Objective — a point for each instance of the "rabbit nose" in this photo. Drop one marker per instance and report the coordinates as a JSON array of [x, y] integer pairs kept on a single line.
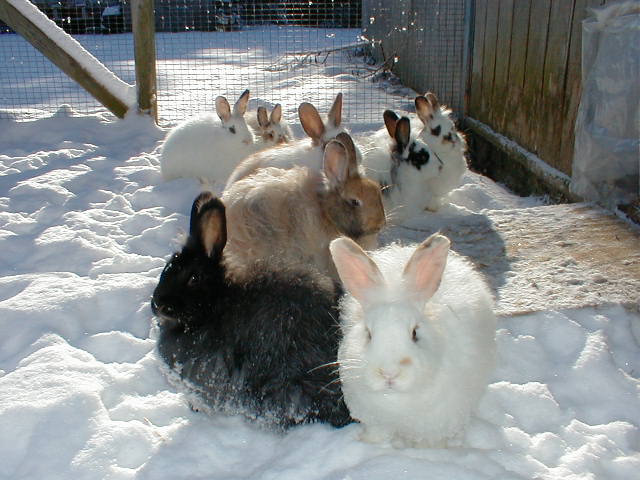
[[388, 375]]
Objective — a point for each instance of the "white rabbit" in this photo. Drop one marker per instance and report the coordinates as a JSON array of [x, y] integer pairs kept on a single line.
[[404, 165], [203, 147], [418, 341], [296, 212], [271, 129], [440, 133], [301, 152]]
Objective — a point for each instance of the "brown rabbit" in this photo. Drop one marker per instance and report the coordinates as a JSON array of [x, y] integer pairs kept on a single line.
[[295, 213]]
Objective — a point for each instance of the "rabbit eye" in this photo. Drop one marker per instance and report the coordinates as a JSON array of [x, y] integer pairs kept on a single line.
[[414, 334], [355, 202], [232, 130], [193, 280]]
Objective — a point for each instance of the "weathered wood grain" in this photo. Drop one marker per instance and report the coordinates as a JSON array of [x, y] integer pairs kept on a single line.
[[516, 120], [475, 83], [498, 113], [145, 56], [534, 70], [549, 133], [489, 60]]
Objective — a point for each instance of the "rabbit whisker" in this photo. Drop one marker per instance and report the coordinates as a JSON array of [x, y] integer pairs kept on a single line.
[[325, 365], [325, 388]]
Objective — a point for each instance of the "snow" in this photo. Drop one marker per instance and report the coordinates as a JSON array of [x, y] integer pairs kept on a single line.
[[87, 224]]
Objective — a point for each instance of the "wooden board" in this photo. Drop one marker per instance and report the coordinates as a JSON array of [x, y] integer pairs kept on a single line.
[[549, 133], [489, 61], [534, 69], [516, 120], [475, 83], [498, 114]]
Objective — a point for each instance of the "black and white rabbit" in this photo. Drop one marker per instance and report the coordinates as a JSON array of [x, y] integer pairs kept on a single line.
[[440, 133], [405, 167], [419, 340], [265, 348]]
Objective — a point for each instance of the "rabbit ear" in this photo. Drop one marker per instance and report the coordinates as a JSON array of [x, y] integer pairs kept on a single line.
[[359, 274], [241, 105], [403, 133], [200, 200], [425, 108], [335, 163], [433, 100], [346, 140], [390, 121], [424, 270], [311, 121], [208, 228], [276, 114], [263, 119], [335, 114], [223, 109]]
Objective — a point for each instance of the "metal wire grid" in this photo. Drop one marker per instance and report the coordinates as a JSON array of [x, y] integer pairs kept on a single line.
[[424, 42], [31, 86], [280, 50], [284, 52], [440, 33]]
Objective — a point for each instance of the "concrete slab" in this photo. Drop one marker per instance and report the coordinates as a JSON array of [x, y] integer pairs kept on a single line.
[[546, 258]]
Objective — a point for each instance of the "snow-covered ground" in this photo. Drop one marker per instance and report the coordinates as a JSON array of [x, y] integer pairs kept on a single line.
[[86, 225]]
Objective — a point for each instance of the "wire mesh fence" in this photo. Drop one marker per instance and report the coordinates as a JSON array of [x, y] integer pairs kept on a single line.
[[283, 51], [424, 41]]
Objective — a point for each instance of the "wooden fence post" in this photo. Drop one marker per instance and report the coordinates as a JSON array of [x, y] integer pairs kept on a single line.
[[143, 25]]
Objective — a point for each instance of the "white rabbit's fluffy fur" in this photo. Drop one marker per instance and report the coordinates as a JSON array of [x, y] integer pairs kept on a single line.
[[417, 353], [302, 152], [210, 146], [440, 133]]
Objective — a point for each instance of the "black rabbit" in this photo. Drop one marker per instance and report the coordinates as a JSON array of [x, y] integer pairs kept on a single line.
[[265, 348]]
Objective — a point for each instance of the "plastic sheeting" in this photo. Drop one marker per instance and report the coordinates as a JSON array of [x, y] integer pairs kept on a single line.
[[606, 162]]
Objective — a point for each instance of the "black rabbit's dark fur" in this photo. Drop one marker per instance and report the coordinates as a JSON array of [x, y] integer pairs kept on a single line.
[[266, 348]]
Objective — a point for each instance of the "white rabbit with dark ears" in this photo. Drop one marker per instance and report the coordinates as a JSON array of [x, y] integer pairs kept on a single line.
[[210, 148], [440, 133], [418, 341], [271, 128], [302, 152], [405, 167]]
